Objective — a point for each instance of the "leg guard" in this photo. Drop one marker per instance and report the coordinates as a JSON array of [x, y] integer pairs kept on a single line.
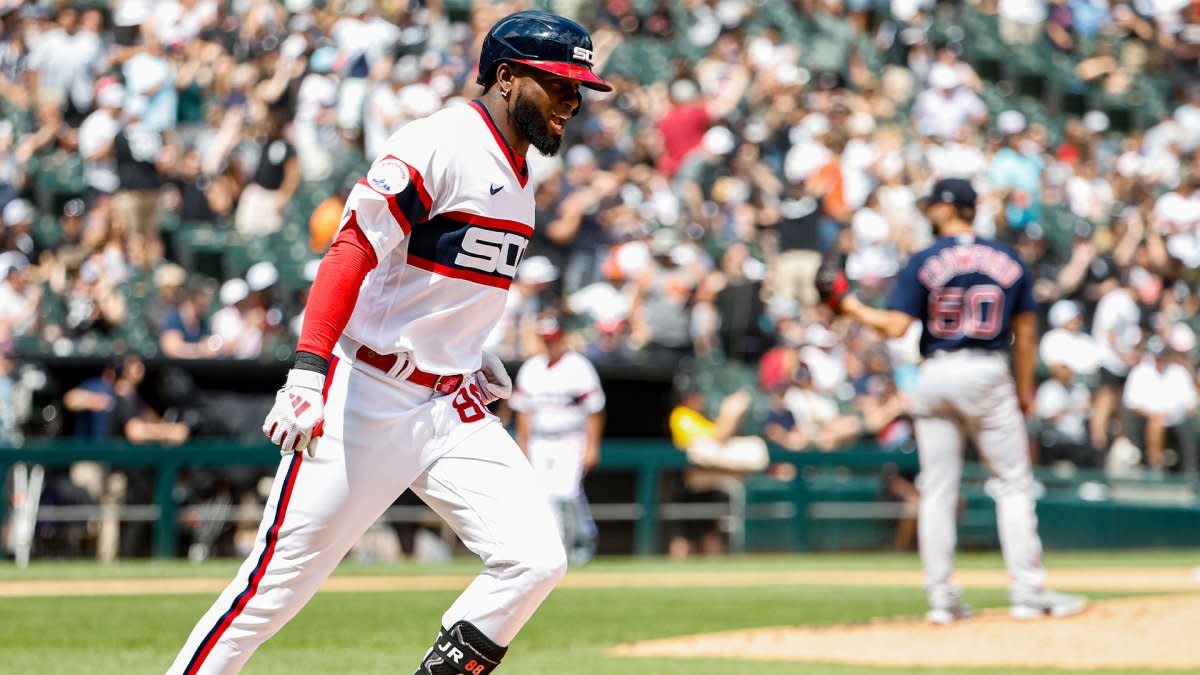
[[462, 650]]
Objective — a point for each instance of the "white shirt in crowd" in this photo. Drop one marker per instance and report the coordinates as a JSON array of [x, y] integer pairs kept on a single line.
[[96, 134], [951, 159], [380, 118], [808, 407], [1022, 11], [1170, 392], [357, 37], [946, 116], [1115, 328], [17, 310], [1076, 350], [173, 23], [318, 92], [1178, 219], [1069, 404], [239, 338]]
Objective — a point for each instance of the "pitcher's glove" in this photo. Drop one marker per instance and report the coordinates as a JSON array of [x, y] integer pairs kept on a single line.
[[492, 379], [832, 284], [298, 416]]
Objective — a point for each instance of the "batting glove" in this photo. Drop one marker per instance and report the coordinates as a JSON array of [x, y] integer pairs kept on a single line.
[[492, 379], [297, 418]]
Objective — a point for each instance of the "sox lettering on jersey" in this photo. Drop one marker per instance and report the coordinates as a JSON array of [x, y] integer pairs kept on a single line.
[[470, 247], [492, 251]]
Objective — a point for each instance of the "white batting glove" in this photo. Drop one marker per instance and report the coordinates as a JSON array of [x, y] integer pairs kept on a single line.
[[295, 420], [492, 379]]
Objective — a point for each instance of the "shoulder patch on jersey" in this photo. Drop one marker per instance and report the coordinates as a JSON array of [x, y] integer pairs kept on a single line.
[[388, 176]]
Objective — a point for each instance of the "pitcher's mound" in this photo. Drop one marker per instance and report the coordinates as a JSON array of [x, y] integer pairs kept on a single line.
[[1134, 634]]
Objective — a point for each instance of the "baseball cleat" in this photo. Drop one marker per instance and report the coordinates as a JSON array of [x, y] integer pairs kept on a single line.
[[1043, 603], [941, 616]]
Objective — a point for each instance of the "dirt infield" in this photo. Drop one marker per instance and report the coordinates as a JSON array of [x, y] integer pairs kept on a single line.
[[1158, 579], [1134, 634]]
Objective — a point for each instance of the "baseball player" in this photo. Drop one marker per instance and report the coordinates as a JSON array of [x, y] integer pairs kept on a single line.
[[973, 298], [559, 408], [391, 377]]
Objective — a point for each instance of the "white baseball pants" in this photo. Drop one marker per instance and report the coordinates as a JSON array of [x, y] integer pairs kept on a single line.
[[972, 392], [383, 435]]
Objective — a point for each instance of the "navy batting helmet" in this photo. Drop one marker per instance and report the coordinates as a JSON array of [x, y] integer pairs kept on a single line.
[[544, 41]]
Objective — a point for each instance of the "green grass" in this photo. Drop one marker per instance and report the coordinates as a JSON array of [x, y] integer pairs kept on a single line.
[[366, 633], [388, 632], [155, 569]]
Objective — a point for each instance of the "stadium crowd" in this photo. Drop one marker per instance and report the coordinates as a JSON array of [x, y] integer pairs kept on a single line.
[[171, 171]]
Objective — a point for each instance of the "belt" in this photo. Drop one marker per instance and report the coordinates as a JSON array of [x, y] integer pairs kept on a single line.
[[442, 384], [969, 351]]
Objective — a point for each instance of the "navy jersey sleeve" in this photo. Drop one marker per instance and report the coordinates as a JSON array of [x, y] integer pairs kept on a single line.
[[908, 295]]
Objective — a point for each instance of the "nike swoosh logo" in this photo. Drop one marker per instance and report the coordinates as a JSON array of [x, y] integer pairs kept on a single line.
[[496, 188]]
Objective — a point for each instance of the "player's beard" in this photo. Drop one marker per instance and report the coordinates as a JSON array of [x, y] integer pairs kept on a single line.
[[533, 125]]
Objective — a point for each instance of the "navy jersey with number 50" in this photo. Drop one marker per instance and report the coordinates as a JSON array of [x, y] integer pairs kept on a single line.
[[964, 290]]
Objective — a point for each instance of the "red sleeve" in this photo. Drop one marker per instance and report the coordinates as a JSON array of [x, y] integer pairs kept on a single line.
[[335, 290]]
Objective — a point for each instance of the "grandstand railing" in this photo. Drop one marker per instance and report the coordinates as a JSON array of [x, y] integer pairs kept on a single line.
[[649, 459], [823, 491]]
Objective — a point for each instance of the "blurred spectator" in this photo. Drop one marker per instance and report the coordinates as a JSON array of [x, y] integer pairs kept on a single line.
[[238, 325], [1160, 396], [18, 216], [1066, 343], [97, 137], [19, 297], [1062, 407], [514, 333], [110, 406], [799, 243], [10, 434], [684, 124], [659, 316], [139, 151], [90, 299], [739, 304], [946, 109], [266, 196], [1021, 21], [718, 458], [884, 409], [185, 331], [610, 346], [780, 427], [818, 414], [1115, 328], [1016, 171]]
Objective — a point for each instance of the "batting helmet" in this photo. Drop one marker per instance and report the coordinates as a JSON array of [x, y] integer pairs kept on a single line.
[[544, 41]]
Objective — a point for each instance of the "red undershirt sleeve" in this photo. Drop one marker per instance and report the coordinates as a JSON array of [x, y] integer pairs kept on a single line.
[[335, 291]]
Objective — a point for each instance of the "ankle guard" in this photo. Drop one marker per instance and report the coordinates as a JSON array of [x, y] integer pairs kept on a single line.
[[462, 650]]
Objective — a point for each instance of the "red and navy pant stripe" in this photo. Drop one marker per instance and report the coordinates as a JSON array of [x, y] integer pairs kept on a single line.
[[256, 575], [264, 559]]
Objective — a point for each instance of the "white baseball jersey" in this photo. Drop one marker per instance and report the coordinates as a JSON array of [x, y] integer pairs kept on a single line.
[[444, 266], [558, 396], [439, 287]]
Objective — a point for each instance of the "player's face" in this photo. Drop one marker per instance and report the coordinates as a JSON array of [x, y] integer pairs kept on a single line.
[[544, 102]]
